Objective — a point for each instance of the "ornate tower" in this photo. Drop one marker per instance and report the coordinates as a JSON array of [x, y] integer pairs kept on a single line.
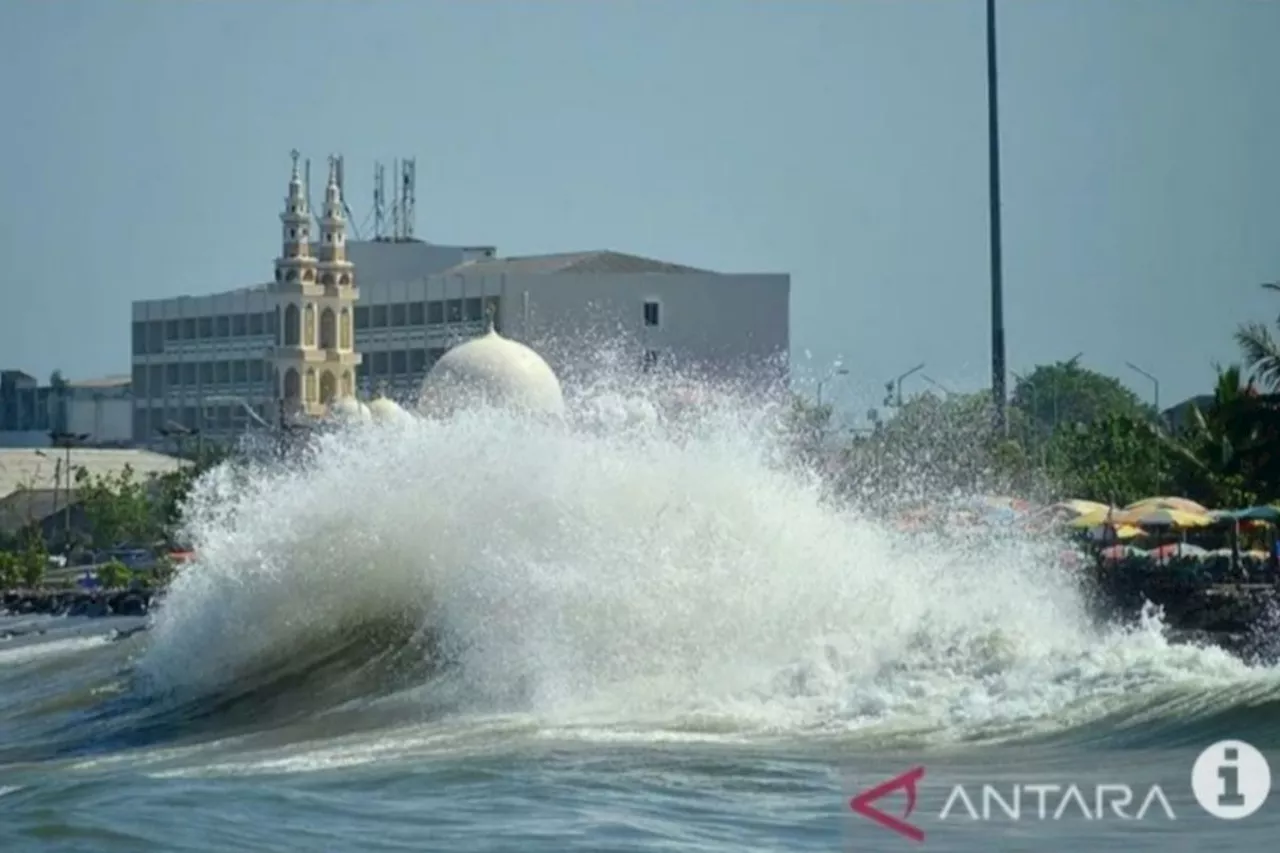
[[314, 359]]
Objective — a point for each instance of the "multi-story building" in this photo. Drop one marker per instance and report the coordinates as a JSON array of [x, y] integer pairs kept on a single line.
[[92, 413], [218, 362]]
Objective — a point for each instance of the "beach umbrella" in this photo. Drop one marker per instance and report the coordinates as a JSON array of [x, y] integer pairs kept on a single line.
[[1162, 518], [1077, 507], [1103, 532], [1093, 518], [1120, 552], [1265, 514], [1179, 504], [1178, 549]]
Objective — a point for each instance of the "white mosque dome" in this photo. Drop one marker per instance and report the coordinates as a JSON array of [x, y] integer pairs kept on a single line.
[[386, 410], [495, 371], [349, 410]]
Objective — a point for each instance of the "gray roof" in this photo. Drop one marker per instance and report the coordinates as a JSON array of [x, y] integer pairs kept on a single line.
[[594, 262], [31, 506], [102, 382], [35, 468]]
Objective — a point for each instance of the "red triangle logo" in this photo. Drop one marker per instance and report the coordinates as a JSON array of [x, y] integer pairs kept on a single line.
[[862, 804]]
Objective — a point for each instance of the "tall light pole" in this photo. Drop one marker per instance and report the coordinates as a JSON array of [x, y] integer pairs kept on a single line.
[[1155, 383], [67, 440], [831, 374], [997, 274], [936, 384], [894, 386]]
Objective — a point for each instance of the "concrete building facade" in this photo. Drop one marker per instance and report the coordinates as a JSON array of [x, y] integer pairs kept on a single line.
[[220, 363], [97, 412]]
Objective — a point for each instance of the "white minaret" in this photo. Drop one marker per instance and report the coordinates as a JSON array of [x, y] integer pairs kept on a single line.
[[314, 359]]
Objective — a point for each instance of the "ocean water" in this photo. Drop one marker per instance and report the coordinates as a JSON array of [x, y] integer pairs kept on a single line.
[[618, 634]]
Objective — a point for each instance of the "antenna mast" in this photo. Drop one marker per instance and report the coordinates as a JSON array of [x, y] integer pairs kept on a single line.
[[342, 192], [408, 195], [307, 187], [379, 201]]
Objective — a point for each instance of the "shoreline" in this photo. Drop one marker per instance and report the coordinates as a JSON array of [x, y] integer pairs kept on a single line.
[[91, 603], [1235, 617]]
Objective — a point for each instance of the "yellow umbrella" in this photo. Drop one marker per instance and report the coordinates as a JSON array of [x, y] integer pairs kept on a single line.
[[1102, 515], [1102, 532], [1081, 507], [1179, 504], [1162, 518]]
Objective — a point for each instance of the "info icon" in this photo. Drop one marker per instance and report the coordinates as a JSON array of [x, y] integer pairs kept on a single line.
[[1231, 779]]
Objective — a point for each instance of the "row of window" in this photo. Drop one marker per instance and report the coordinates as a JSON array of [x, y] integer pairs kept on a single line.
[[149, 337], [150, 423], [431, 313], [153, 380]]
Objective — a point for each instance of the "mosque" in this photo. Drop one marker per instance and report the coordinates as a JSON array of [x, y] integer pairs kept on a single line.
[[314, 360]]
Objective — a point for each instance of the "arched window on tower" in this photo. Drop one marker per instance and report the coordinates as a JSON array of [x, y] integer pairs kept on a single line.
[[309, 325], [344, 330], [328, 329], [311, 384], [292, 325], [308, 275], [348, 388], [292, 385], [291, 275], [344, 279], [328, 387]]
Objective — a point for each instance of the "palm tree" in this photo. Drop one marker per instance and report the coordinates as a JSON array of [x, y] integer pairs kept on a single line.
[[1217, 452], [1261, 351]]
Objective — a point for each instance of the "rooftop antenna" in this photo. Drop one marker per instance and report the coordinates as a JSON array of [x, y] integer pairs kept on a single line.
[[396, 212], [342, 192], [408, 192], [307, 186], [379, 201]]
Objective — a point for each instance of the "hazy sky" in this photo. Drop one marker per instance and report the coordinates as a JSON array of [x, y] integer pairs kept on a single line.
[[146, 154]]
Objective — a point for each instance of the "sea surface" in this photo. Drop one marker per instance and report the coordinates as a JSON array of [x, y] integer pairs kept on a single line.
[[616, 634]]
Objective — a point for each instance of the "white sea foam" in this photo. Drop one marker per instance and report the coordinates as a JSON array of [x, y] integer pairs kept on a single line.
[[632, 576]]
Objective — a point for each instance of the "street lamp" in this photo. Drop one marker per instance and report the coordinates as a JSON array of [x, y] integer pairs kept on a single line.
[[894, 386], [66, 440], [1155, 383], [242, 403], [835, 371], [936, 384], [180, 433]]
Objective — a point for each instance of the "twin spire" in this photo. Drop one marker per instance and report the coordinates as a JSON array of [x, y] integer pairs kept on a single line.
[[332, 191]]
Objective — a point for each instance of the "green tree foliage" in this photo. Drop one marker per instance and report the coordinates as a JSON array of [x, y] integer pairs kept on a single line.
[[807, 427], [114, 575], [936, 445], [1227, 453], [32, 560], [10, 572], [119, 508], [1054, 395], [1116, 459], [1261, 351]]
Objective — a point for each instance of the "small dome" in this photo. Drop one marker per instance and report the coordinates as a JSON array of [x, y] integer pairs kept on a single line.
[[384, 409], [495, 371], [349, 410]]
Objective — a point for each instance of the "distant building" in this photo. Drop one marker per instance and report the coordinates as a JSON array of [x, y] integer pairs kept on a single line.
[[97, 412], [1178, 417], [46, 469], [221, 362]]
